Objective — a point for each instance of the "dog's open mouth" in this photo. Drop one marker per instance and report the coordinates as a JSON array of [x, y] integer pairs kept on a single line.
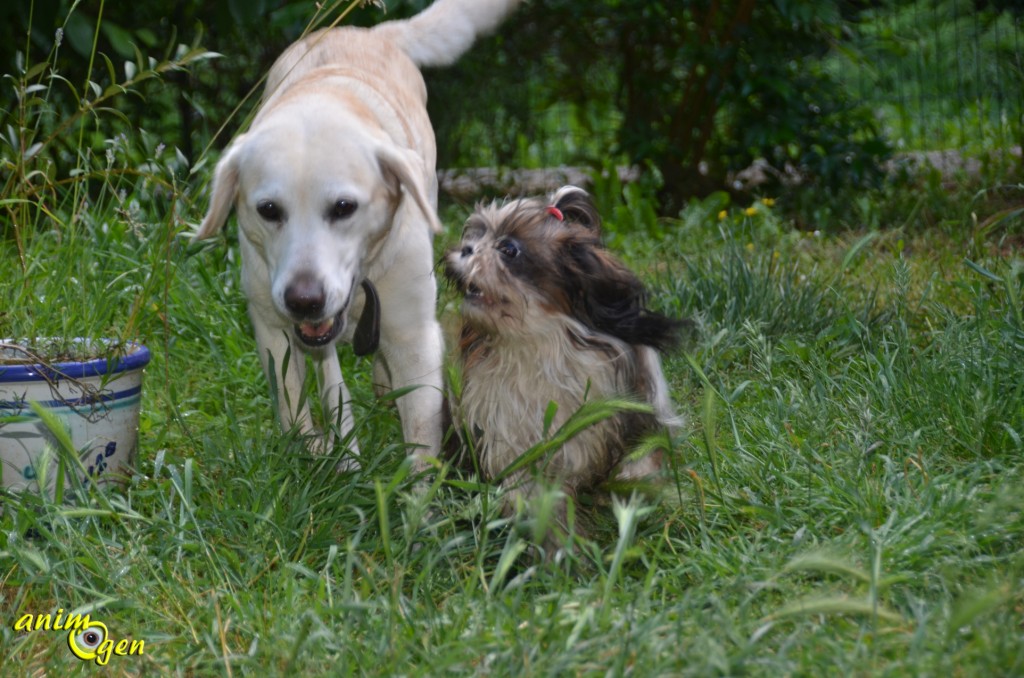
[[319, 333], [475, 295]]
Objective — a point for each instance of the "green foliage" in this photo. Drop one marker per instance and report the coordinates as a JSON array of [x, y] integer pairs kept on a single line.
[[62, 136], [80, 40], [624, 208], [691, 89], [79, 176]]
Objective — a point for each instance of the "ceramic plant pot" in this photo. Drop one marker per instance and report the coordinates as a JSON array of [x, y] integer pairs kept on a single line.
[[96, 402]]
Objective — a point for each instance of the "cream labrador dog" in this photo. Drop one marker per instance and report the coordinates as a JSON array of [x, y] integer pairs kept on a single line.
[[335, 190]]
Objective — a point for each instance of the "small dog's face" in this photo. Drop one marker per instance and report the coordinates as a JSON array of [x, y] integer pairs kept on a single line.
[[507, 266], [526, 263]]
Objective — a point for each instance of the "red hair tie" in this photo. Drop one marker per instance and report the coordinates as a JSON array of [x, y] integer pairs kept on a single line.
[[556, 213]]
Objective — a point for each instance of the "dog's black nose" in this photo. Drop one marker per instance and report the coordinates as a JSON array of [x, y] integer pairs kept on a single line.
[[467, 250], [305, 296]]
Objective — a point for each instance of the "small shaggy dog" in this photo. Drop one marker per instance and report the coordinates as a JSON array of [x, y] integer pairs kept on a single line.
[[550, 316]]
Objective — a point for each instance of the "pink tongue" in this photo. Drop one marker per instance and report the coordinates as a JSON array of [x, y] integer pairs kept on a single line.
[[316, 329]]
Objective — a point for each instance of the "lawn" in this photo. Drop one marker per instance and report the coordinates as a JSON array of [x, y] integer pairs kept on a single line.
[[844, 500]]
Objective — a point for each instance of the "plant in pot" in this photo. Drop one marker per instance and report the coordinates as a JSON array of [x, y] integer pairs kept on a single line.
[[69, 412]]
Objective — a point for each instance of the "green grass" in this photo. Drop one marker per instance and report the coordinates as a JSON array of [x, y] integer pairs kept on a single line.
[[844, 499]]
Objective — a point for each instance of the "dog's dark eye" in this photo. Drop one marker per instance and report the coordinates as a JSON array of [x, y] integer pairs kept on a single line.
[[342, 209], [509, 248], [269, 210]]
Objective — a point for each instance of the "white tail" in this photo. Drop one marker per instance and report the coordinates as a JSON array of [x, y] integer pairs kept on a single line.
[[441, 33]]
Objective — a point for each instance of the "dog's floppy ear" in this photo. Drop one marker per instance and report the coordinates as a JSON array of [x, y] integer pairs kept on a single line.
[[610, 298], [577, 207], [404, 164], [223, 193]]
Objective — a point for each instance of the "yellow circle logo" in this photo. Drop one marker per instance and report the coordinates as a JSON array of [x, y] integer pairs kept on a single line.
[[87, 640]]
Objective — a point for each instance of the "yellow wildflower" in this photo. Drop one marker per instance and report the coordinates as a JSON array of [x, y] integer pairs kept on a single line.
[[750, 211], [768, 202], [750, 247], [722, 215]]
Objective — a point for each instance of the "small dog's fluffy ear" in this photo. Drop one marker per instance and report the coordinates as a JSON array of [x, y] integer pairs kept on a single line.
[[611, 299], [577, 206]]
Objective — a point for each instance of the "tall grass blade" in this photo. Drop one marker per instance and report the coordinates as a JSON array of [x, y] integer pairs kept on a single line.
[[835, 605]]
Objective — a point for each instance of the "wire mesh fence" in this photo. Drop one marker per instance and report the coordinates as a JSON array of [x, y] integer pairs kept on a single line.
[[942, 80], [939, 74]]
